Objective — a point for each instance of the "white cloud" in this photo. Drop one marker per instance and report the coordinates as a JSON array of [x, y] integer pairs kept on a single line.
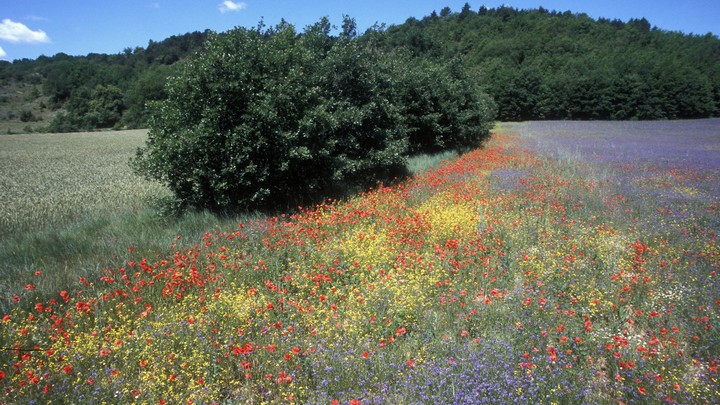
[[228, 5], [2, 53], [18, 32]]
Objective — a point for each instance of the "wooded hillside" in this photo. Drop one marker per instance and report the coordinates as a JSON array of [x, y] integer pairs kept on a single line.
[[536, 64], [66, 93], [541, 64]]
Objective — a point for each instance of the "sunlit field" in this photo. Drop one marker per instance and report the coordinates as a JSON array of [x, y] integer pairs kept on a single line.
[[54, 180], [560, 263], [70, 206]]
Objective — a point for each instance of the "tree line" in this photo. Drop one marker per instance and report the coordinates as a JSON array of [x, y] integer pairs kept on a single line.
[[99, 90], [541, 64], [535, 64]]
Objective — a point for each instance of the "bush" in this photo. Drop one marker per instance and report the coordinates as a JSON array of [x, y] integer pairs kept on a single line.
[[65, 122], [266, 118], [269, 119], [443, 108], [27, 116], [104, 107]]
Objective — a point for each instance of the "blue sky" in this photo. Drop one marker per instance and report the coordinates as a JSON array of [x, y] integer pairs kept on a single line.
[[30, 28]]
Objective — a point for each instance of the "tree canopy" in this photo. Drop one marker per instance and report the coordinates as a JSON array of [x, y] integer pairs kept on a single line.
[[267, 117], [541, 64]]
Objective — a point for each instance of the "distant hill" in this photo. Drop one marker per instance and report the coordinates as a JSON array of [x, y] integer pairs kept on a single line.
[[69, 93], [536, 64], [542, 64]]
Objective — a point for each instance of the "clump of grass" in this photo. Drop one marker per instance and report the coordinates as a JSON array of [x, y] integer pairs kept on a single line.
[[419, 163]]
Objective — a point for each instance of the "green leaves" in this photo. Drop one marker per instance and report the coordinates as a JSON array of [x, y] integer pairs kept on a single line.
[[540, 64], [105, 106], [267, 119], [443, 108]]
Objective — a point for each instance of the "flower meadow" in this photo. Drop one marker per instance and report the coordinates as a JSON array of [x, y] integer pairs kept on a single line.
[[505, 275]]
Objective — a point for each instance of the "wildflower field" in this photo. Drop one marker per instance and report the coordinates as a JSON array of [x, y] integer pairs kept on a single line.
[[553, 265]]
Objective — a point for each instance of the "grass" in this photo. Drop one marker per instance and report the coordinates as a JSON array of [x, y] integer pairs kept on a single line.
[[422, 162], [71, 206], [51, 181], [505, 275]]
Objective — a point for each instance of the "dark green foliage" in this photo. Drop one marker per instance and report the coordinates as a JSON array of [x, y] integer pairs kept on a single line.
[[87, 109], [541, 64], [149, 86], [27, 116], [264, 118], [442, 106], [68, 82], [105, 106]]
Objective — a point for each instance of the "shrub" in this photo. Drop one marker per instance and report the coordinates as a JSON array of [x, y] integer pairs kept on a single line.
[[104, 107], [442, 107], [263, 118], [27, 116], [271, 118]]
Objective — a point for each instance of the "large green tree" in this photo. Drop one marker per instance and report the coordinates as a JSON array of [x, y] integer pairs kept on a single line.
[[270, 117], [267, 117], [105, 106]]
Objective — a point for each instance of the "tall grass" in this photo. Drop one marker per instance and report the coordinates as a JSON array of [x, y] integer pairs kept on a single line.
[[71, 206], [422, 162], [51, 181]]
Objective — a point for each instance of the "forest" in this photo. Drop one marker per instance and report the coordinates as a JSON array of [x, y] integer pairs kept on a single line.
[[536, 64], [66, 93], [541, 64]]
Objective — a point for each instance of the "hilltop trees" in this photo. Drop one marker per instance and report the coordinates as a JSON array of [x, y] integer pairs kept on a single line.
[[535, 64], [540, 64], [68, 81], [267, 117]]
